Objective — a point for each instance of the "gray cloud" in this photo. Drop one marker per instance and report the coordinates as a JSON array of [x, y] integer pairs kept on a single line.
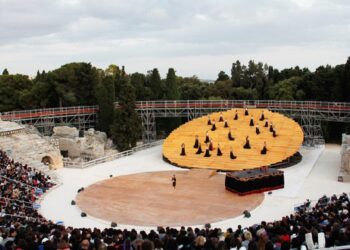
[[195, 37]]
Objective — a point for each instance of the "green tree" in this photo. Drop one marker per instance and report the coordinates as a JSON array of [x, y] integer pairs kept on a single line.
[[191, 88], [222, 76], [126, 128], [75, 84], [11, 89], [241, 93], [171, 88], [105, 96], [287, 90], [261, 80], [155, 84], [139, 82], [236, 74], [223, 89], [113, 70], [5, 72]]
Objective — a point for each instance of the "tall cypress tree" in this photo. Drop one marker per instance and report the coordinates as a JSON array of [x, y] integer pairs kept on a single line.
[[126, 128], [105, 98], [171, 88], [236, 74], [155, 84]]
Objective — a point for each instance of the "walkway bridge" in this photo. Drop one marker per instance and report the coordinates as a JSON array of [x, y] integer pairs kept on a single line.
[[309, 114]]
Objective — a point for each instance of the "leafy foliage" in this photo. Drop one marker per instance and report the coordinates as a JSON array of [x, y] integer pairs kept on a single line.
[[80, 83]]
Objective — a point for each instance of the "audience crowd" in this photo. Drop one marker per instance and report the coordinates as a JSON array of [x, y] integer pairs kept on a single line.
[[21, 226]]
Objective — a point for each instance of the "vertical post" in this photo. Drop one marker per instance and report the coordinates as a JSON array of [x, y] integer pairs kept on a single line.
[[148, 119]]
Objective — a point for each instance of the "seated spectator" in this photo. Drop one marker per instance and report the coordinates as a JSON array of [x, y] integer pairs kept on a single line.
[[196, 142], [262, 117], [247, 143], [236, 115], [221, 119], [232, 155], [257, 130], [251, 123], [219, 153], [183, 152], [264, 149], [207, 152], [199, 151], [22, 227], [226, 124], [209, 121], [213, 127], [207, 137]]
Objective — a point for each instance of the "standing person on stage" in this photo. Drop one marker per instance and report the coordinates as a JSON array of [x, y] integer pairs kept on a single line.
[[173, 180]]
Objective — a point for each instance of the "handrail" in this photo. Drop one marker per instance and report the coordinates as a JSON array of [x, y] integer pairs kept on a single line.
[[319, 106]]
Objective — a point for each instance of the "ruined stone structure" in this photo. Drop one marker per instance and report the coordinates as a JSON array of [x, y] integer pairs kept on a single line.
[[82, 147], [26, 145]]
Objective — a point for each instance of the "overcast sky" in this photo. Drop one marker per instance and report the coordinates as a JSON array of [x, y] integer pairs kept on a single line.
[[196, 37]]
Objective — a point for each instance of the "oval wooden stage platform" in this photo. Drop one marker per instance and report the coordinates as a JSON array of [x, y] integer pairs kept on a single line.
[[148, 199], [286, 144]]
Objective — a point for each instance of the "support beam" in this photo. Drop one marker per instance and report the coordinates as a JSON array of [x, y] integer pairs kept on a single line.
[[149, 132]]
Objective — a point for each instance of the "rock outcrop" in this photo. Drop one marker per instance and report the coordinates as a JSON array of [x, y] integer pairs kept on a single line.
[[82, 147], [345, 158], [26, 145], [345, 153]]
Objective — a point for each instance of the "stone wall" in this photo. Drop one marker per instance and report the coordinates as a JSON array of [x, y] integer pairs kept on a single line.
[[29, 147]]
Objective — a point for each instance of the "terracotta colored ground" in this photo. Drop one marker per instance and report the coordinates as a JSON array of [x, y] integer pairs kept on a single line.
[[148, 199]]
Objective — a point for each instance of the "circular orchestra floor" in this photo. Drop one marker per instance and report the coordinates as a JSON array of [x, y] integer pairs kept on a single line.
[[149, 199]]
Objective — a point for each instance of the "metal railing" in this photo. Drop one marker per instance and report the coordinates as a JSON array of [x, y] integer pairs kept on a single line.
[[319, 106], [293, 105], [111, 157], [47, 112]]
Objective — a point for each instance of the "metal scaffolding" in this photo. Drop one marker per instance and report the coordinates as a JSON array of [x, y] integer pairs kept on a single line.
[[148, 119], [308, 113], [81, 117]]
